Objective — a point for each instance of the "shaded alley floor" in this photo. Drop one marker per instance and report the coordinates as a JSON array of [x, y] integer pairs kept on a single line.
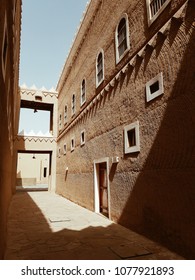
[[45, 226]]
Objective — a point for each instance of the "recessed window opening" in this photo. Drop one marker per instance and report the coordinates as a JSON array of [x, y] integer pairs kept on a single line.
[[83, 92], [38, 98], [65, 149], [99, 69], [122, 43], [73, 104], [131, 137], [82, 137], [122, 40], [72, 144], [154, 87], [59, 152], [65, 114], [154, 9], [45, 172], [155, 6]]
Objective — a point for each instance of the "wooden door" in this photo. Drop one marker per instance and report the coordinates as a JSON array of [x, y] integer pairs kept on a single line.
[[103, 188]]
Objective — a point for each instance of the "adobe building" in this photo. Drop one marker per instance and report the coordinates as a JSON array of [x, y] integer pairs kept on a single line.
[[10, 22], [126, 118]]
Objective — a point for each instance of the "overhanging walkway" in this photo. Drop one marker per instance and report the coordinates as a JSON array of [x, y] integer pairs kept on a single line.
[[46, 226]]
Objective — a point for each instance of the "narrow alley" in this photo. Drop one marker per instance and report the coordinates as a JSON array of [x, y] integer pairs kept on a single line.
[[46, 226]]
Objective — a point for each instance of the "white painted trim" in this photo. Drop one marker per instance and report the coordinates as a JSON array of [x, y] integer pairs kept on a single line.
[[158, 78], [96, 185], [118, 59], [135, 148]]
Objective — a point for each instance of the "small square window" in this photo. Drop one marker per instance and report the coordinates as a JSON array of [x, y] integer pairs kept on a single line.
[[131, 137], [65, 149], [154, 87], [38, 98], [83, 138], [72, 144]]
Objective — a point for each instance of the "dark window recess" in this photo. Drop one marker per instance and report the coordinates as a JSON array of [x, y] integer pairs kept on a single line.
[[131, 137], [154, 87], [38, 98], [100, 67], [73, 104], [72, 144], [45, 172], [83, 89], [83, 137]]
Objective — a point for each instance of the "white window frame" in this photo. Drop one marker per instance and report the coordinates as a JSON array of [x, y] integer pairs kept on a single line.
[[99, 82], [83, 100], [151, 18], [83, 141], [72, 144], [118, 58], [5, 40], [135, 148], [149, 95]]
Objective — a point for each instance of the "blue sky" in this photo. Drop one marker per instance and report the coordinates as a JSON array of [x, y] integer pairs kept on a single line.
[[48, 28]]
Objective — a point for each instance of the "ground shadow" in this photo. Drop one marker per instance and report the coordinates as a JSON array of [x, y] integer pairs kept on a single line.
[[31, 237]]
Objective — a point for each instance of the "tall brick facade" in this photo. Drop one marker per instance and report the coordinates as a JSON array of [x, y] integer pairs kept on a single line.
[[149, 175]]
